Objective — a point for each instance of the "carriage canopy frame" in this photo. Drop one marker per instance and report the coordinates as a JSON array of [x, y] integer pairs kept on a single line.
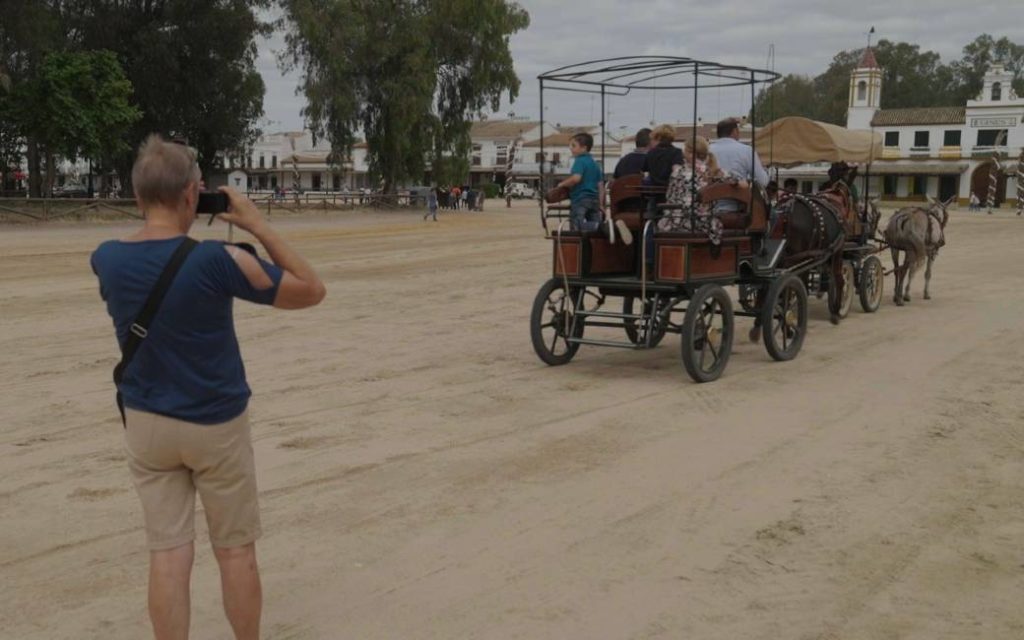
[[621, 76]]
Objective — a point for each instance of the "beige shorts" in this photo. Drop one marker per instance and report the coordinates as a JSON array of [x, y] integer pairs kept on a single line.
[[171, 459]]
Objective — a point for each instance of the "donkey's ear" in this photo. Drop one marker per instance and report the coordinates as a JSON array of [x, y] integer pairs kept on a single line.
[[951, 200], [931, 200]]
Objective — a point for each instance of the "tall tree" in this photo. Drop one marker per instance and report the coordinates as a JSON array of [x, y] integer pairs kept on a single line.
[[28, 29], [78, 105], [192, 65], [832, 88], [793, 95], [910, 78], [408, 74], [968, 72]]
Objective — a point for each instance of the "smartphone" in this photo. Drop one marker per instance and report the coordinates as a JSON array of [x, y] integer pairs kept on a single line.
[[212, 202]]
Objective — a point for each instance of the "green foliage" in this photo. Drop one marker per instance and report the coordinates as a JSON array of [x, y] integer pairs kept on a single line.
[[910, 78], [491, 190], [786, 97], [78, 105], [968, 72], [192, 65], [408, 74]]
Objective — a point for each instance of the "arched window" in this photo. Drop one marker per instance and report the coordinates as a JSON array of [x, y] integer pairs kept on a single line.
[[862, 90], [997, 92]]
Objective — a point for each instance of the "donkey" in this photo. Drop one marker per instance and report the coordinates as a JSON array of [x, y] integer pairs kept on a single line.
[[919, 232]]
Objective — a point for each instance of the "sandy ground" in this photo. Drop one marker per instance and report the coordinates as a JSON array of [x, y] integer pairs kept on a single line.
[[424, 475]]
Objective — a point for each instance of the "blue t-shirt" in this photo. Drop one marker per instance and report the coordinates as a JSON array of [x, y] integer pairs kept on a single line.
[[586, 167], [189, 366]]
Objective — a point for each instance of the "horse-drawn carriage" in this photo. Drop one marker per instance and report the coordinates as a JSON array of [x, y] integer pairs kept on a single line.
[[684, 292], [793, 141]]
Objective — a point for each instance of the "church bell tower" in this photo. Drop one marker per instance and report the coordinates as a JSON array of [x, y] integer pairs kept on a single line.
[[865, 92]]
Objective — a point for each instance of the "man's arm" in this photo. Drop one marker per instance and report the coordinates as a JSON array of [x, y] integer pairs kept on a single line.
[[760, 175], [300, 286]]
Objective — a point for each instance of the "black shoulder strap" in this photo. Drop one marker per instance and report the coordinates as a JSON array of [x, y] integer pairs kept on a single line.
[[140, 328]]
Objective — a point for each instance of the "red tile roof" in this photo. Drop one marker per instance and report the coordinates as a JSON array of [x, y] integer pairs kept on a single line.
[[919, 116], [867, 61]]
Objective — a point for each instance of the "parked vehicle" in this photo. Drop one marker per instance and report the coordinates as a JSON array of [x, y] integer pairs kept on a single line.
[[71, 191], [519, 190]]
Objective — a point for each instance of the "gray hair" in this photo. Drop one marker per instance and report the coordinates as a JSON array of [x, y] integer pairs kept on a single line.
[[162, 170]]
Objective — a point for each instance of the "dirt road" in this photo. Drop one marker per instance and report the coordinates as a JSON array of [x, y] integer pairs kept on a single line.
[[423, 475]]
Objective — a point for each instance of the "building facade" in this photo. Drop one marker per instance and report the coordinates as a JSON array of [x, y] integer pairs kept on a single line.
[[942, 152]]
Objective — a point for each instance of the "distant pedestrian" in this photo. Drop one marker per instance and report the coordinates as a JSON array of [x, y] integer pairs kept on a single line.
[[974, 204], [431, 205]]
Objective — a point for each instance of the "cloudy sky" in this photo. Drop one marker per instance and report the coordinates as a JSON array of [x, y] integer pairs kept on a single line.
[[806, 35]]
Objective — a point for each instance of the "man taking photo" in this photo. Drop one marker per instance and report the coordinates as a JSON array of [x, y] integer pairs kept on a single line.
[[183, 382]]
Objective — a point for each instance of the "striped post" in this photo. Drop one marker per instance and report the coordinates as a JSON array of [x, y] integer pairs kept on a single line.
[[993, 182], [296, 178], [510, 167], [994, 170], [1020, 182]]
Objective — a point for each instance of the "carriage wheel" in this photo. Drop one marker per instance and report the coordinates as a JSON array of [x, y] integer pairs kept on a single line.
[[848, 280], [784, 317], [638, 334], [871, 283], [707, 333], [551, 321]]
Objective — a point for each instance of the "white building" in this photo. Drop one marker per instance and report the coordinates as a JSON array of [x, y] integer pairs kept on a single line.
[[943, 151], [286, 160], [493, 141]]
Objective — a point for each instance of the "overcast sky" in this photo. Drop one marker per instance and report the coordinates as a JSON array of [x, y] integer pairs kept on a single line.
[[806, 35]]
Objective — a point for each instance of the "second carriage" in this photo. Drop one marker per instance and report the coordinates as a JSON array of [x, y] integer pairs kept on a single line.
[[794, 141]]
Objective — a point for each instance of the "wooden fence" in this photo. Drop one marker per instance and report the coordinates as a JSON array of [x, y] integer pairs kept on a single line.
[[47, 209]]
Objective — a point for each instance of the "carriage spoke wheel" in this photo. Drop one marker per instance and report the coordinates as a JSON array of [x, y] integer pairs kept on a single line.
[[848, 286], [707, 333], [784, 317], [871, 283], [636, 330], [551, 321]]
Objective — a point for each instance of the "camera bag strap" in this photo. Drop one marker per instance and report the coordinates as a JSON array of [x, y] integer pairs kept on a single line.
[[140, 328]]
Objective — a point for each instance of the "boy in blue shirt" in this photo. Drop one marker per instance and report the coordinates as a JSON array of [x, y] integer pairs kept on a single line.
[[585, 189]]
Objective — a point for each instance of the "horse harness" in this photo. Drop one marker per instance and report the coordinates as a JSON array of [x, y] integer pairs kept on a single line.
[[932, 215], [816, 205]]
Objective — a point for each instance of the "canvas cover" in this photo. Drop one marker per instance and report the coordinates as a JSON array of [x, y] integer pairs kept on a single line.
[[792, 141]]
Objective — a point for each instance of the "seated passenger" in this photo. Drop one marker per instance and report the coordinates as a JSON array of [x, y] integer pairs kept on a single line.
[[633, 162], [661, 160], [664, 157], [684, 185], [737, 160], [584, 185]]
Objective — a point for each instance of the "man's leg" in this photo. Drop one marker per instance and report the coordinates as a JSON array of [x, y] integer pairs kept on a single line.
[[241, 589], [170, 571]]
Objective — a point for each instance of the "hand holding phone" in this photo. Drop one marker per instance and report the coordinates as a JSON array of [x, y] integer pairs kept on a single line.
[[242, 211]]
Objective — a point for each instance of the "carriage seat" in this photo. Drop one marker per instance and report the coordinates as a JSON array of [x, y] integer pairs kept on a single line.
[[734, 220]]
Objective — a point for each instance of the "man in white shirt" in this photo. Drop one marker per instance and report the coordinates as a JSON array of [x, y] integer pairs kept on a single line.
[[737, 160]]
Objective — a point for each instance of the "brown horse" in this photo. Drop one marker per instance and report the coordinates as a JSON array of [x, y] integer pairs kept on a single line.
[[815, 232]]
